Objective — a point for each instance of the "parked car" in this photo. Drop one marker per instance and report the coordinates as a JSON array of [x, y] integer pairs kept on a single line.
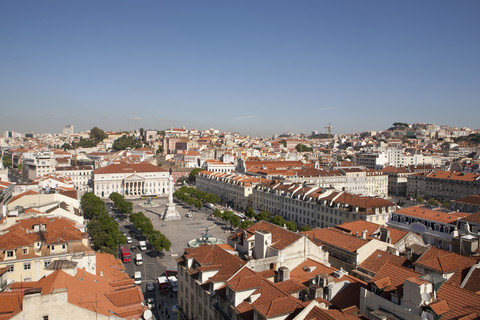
[[133, 248], [150, 286], [138, 277], [129, 240]]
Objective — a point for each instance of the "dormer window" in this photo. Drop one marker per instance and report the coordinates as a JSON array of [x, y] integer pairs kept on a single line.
[[9, 253], [25, 251]]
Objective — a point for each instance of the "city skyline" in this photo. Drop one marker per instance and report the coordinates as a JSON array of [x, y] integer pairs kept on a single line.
[[254, 68]]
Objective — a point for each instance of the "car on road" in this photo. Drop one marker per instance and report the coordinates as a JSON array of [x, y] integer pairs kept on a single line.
[[175, 308], [129, 240], [138, 277], [133, 248], [150, 286]]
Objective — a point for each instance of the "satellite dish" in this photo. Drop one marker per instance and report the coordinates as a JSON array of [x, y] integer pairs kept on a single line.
[[147, 315], [426, 297]]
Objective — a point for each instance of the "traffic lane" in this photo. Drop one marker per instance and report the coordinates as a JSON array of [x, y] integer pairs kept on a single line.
[[150, 268]]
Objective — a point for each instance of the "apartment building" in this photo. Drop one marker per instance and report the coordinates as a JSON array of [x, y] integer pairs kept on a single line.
[[81, 176], [218, 166], [436, 226], [28, 247], [470, 204], [215, 284], [76, 293], [353, 180], [233, 189], [443, 185], [38, 164], [397, 292], [130, 180], [319, 207], [266, 244]]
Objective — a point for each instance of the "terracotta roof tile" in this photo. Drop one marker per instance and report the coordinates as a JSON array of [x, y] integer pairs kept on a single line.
[[443, 261], [281, 238], [392, 277], [129, 168], [378, 258], [461, 302], [337, 238], [427, 213]]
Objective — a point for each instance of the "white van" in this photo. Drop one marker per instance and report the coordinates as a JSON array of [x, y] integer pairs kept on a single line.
[[138, 259], [143, 245], [138, 277]]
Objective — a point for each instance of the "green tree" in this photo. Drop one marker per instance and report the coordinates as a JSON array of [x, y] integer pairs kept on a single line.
[[278, 220], [125, 142], [245, 224], [226, 215], [303, 148], [292, 226], [432, 202], [92, 205], [446, 204], [193, 174], [97, 134], [250, 212], [217, 213], [305, 227], [420, 199], [235, 221], [66, 146], [7, 161], [264, 215]]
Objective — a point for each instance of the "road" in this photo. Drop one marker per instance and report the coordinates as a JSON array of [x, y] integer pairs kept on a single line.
[[179, 233]]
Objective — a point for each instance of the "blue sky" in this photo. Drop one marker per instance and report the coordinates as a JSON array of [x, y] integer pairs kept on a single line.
[[256, 67]]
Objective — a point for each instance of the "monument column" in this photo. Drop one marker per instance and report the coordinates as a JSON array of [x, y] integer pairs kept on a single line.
[[171, 212]]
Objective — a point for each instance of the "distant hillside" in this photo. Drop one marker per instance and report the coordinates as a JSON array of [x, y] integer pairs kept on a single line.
[[474, 137]]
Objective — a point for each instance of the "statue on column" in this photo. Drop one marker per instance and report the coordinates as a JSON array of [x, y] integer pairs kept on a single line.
[[171, 212]]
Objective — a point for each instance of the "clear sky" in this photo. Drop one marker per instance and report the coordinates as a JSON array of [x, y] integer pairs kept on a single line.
[[252, 66]]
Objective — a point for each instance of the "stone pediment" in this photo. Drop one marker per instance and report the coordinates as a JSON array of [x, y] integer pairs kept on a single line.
[[134, 177]]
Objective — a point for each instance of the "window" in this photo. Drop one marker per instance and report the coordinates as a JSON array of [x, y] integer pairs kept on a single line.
[[52, 248], [46, 263], [45, 318], [64, 246], [9, 253], [25, 251], [27, 266], [10, 268]]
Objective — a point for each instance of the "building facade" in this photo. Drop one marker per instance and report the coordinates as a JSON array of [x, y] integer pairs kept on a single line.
[[130, 180]]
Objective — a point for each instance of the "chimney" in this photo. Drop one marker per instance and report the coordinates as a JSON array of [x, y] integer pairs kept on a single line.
[[364, 234], [315, 292], [283, 274]]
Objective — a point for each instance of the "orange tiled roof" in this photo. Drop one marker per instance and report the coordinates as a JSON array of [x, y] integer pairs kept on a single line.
[[453, 175], [461, 302], [336, 238], [10, 304], [129, 168], [349, 296], [391, 277], [428, 213], [95, 293], [214, 255], [442, 261], [378, 258], [57, 230], [281, 238]]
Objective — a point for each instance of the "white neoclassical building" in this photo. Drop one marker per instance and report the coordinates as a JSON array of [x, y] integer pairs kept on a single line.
[[130, 180]]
